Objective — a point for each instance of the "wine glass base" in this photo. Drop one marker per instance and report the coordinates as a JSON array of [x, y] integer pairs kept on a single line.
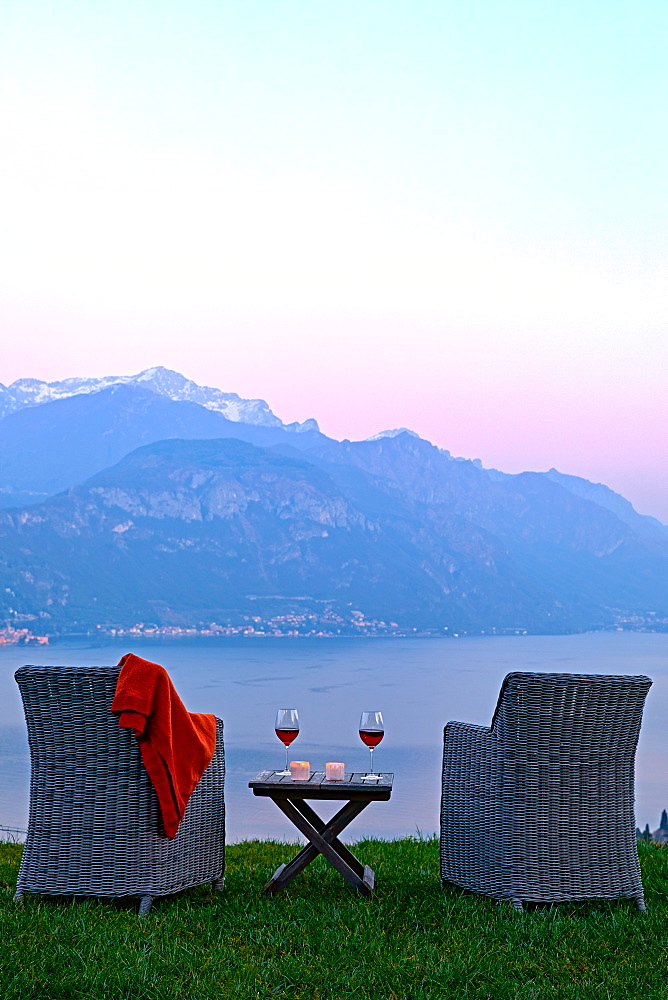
[[283, 774], [371, 777]]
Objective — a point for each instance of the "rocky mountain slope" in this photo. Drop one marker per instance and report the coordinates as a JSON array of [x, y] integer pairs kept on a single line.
[[190, 531], [137, 498]]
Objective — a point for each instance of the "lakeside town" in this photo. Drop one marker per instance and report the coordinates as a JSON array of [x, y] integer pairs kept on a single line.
[[10, 636], [328, 624]]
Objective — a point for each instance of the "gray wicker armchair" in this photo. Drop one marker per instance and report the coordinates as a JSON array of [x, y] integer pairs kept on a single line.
[[95, 827], [539, 807]]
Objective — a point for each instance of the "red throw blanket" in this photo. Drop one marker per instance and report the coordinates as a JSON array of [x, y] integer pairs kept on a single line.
[[176, 745]]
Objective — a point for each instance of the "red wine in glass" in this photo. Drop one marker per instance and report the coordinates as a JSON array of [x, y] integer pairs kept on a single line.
[[372, 730], [287, 730], [287, 735]]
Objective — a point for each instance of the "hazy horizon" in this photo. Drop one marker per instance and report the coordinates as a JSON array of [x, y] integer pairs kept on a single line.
[[445, 217]]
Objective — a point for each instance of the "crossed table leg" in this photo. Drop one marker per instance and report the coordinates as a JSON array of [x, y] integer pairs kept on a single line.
[[323, 836]]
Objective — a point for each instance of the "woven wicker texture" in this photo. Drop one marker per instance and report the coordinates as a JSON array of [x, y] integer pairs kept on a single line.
[[95, 827], [539, 807]]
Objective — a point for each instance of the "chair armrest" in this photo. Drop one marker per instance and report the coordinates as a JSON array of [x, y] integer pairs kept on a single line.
[[469, 802], [463, 732], [467, 752]]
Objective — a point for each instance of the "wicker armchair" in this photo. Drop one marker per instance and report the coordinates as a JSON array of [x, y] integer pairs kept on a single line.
[[539, 807], [95, 827]]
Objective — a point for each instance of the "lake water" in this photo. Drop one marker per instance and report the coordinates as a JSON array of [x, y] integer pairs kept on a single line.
[[419, 684]]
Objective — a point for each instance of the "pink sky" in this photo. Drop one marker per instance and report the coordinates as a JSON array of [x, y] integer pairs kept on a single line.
[[450, 220]]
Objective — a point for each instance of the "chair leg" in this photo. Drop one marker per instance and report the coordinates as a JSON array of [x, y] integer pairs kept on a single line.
[[640, 903], [18, 896], [218, 884], [145, 904], [517, 905]]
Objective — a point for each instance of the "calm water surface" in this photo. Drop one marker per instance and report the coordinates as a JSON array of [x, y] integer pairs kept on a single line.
[[419, 684]]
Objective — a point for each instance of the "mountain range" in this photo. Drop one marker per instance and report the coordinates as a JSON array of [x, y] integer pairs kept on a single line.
[[32, 392], [149, 498]]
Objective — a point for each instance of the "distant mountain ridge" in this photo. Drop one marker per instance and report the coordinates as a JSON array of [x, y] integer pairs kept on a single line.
[[123, 503], [605, 497], [33, 392], [48, 447]]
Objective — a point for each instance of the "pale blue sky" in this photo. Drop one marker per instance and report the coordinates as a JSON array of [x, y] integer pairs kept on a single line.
[[450, 216]]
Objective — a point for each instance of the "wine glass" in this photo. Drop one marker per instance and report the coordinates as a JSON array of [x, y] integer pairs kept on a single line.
[[372, 730], [287, 730]]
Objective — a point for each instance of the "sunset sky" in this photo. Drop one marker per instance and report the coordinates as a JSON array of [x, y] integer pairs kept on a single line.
[[449, 216]]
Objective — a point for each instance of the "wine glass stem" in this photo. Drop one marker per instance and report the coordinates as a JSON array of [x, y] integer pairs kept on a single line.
[[286, 758], [371, 760]]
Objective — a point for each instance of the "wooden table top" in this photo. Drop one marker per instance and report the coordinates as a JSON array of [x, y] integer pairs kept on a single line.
[[275, 785]]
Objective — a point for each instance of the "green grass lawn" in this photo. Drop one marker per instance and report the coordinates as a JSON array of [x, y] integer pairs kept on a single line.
[[319, 940]]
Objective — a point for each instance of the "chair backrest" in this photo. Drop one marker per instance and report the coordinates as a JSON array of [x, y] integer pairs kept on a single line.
[[76, 746], [570, 718], [68, 708]]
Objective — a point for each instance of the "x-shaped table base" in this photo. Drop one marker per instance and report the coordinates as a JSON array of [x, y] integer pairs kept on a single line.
[[323, 836]]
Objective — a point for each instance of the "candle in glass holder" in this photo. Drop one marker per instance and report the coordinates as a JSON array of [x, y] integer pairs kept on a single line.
[[335, 771], [300, 770]]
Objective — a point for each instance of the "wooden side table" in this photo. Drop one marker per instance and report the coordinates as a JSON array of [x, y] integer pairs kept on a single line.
[[290, 797]]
